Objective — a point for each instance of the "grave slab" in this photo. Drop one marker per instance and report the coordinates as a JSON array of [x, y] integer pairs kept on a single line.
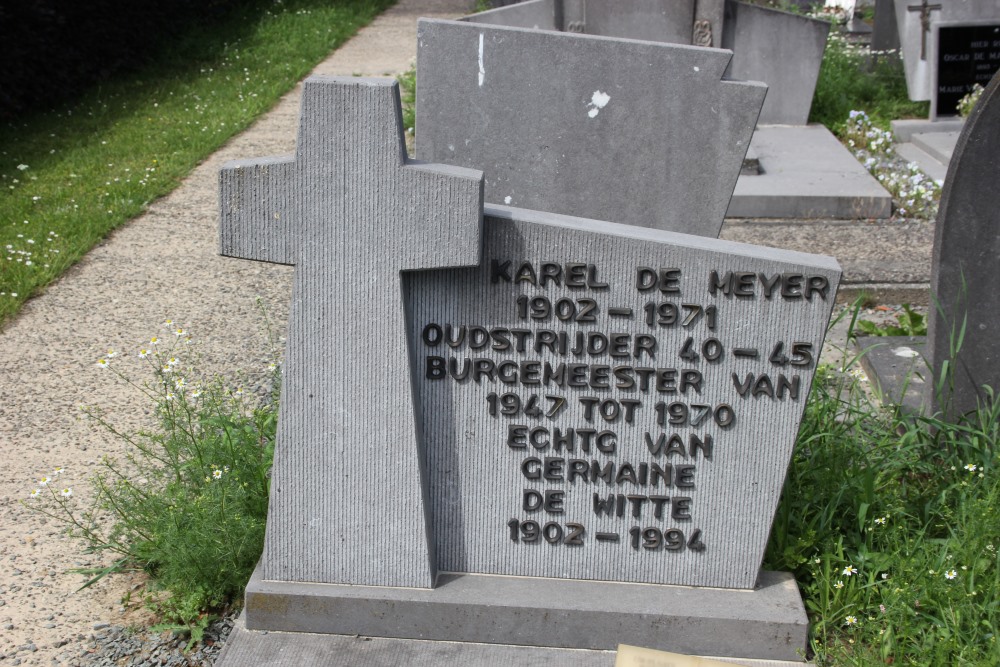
[[903, 130], [781, 49], [885, 35], [928, 163], [939, 145], [768, 623], [806, 173], [965, 279], [641, 133], [348, 188], [533, 14]]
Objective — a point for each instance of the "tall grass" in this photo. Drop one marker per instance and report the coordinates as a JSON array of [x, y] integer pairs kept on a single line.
[[892, 528], [852, 78], [69, 176]]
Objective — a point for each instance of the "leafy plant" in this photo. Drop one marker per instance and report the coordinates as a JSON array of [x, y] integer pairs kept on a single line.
[[852, 78], [910, 323], [966, 104], [890, 526], [188, 504], [914, 194]]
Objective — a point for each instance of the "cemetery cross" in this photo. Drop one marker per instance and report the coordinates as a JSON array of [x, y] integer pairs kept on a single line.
[[925, 23], [350, 212]]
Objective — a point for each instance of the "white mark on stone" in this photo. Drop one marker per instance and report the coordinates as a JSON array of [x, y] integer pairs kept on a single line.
[[598, 101], [506, 200], [451, 147], [482, 70], [697, 69], [906, 352]]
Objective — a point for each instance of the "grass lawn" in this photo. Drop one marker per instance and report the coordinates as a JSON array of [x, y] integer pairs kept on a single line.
[[69, 176]]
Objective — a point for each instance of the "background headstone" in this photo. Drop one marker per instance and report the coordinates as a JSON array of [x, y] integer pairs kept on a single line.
[[885, 35], [350, 213], [967, 54], [965, 278], [916, 21], [781, 49], [641, 133], [784, 50]]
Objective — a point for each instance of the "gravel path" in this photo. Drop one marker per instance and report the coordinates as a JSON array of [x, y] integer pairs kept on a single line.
[[161, 265]]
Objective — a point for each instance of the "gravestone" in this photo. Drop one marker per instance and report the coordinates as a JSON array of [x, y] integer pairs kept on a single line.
[[523, 446], [963, 25], [965, 279], [642, 133], [967, 54], [782, 49]]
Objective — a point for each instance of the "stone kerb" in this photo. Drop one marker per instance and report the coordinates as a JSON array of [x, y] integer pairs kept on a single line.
[[641, 133]]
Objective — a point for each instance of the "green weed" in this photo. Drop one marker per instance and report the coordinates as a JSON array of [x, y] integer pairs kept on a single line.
[[891, 527], [909, 323], [189, 503], [852, 79]]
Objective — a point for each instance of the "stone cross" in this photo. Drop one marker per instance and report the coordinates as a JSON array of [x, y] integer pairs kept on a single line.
[[350, 211], [925, 23]]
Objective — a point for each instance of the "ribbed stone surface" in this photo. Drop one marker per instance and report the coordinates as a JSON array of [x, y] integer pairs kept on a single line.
[[347, 499], [476, 478], [396, 457]]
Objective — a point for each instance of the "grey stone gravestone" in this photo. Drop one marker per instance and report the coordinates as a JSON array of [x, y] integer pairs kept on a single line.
[[965, 278], [918, 23], [501, 453], [783, 50], [642, 133]]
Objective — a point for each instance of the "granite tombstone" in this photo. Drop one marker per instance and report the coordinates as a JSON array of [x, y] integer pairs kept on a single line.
[[965, 279], [523, 445], [642, 133]]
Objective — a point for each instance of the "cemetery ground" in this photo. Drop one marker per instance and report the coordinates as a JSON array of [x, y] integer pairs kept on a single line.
[[889, 524]]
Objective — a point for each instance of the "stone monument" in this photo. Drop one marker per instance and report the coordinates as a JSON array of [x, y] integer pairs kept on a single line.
[[509, 434], [963, 339]]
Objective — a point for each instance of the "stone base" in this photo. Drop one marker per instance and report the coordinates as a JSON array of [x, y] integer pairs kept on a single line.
[[896, 367], [768, 623], [296, 649]]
